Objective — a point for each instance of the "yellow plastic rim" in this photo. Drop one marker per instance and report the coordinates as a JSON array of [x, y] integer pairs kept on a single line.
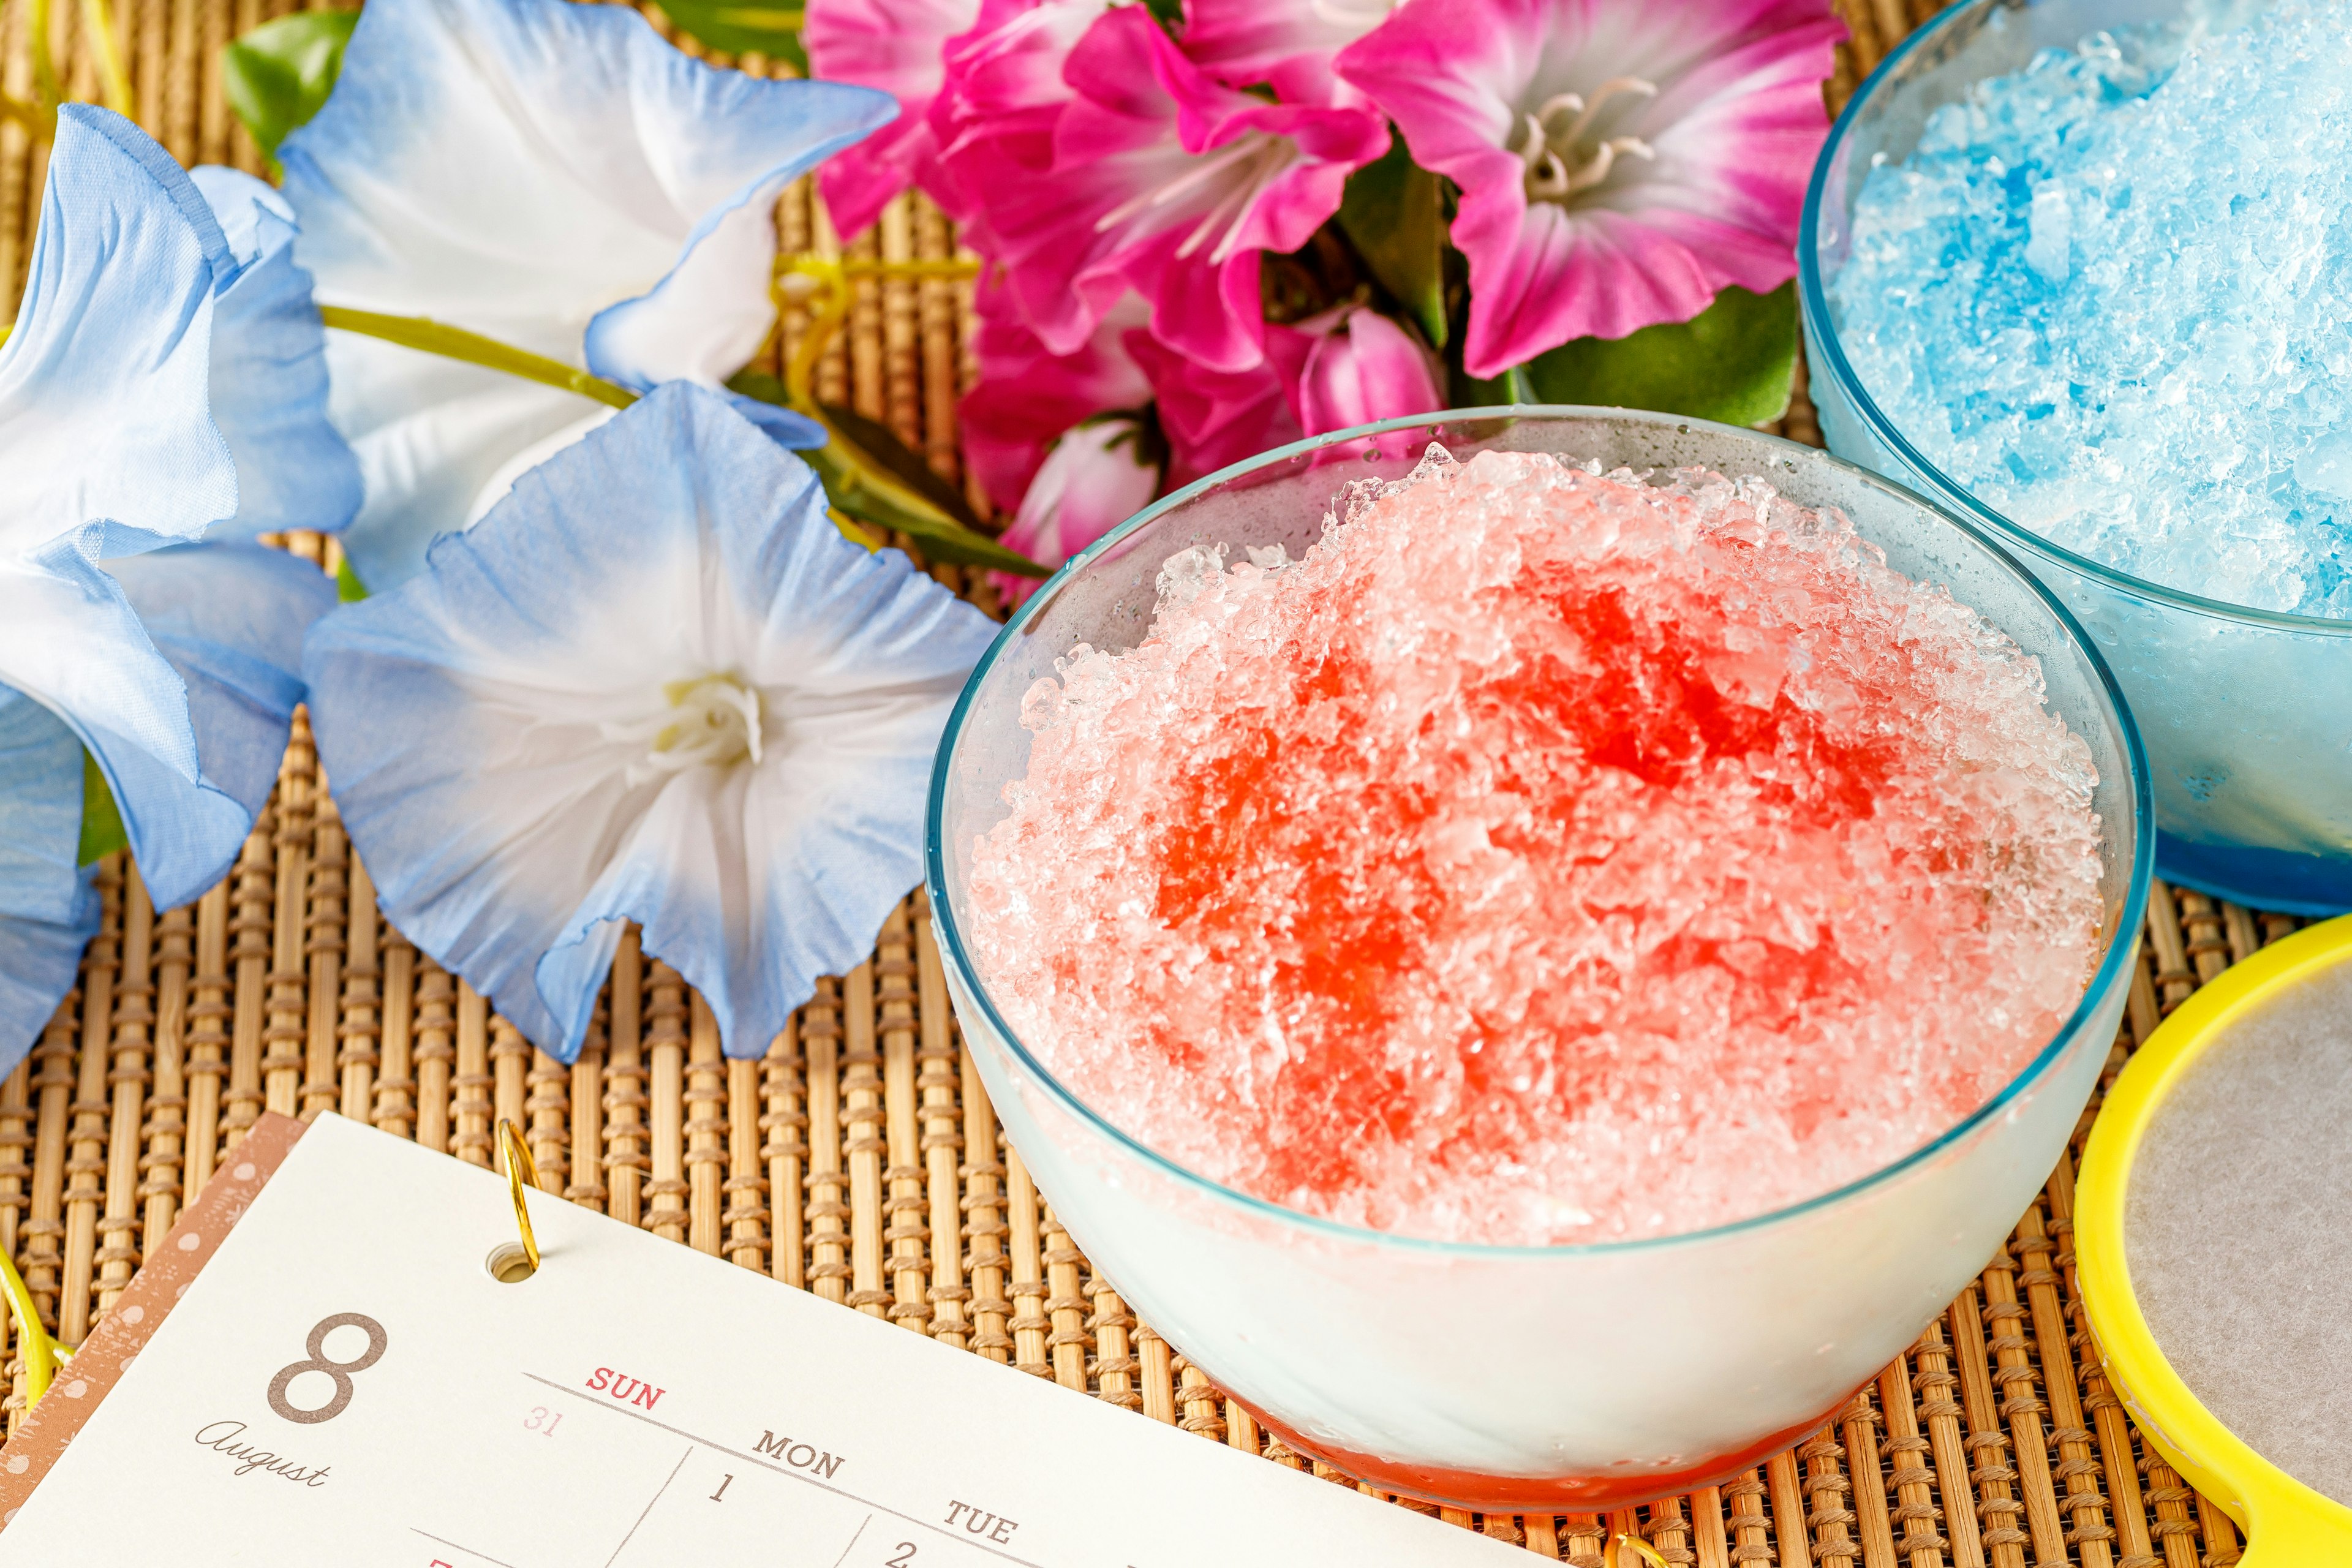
[[2287, 1524]]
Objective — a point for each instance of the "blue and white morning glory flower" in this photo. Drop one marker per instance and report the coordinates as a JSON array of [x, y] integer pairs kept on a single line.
[[173, 670], [269, 371], [655, 683], [557, 177]]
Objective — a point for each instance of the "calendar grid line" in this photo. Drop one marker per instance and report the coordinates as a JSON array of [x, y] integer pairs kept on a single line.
[[648, 1508], [854, 1537], [779, 1470]]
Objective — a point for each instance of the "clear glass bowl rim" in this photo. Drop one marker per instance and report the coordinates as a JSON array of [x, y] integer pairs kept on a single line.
[[1840, 371], [2122, 945]]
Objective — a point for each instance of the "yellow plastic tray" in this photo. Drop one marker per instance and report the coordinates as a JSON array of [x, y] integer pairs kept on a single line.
[[2288, 1525]]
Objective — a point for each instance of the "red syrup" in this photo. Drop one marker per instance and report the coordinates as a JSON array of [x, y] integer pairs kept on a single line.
[[1547, 857]]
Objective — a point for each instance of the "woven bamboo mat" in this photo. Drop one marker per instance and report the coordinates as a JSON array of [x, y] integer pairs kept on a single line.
[[859, 1159]]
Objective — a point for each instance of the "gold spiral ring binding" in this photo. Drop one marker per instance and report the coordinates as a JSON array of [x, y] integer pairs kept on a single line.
[[521, 1171]]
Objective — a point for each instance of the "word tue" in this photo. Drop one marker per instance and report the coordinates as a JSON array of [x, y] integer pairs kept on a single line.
[[627, 1389], [221, 1437], [995, 1527]]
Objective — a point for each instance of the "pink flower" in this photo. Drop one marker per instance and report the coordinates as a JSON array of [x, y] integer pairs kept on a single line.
[[1351, 367], [894, 45], [1002, 92], [1212, 418], [1028, 394], [1162, 181], [1620, 161], [1010, 61], [1096, 477], [1285, 44]]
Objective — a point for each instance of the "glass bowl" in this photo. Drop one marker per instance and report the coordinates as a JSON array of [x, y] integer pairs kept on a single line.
[[1528, 1378], [2247, 713]]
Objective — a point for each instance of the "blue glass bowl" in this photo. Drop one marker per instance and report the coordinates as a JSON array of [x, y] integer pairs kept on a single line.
[[1531, 1378], [2247, 713]]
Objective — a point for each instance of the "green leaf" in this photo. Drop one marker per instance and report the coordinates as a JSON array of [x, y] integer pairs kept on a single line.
[[759, 385], [102, 832], [1393, 212], [860, 486], [1468, 391], [740, 29], [1734, 361], [872, 477], [348, 589], [278, 75], [881, 443]]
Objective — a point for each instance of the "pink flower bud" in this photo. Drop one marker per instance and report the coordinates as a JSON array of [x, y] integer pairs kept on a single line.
[[1095, 478], [1351, 367]]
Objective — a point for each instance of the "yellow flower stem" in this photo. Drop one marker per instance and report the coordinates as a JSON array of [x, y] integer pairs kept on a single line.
[[39, 1354], [823, 285], [455, 342], [849, 530], [864, 493], [45, 67], [40, 124], [97, 17], [1643, 1550]]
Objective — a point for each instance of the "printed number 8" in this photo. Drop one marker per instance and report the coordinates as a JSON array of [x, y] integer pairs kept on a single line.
[[340, 1371]]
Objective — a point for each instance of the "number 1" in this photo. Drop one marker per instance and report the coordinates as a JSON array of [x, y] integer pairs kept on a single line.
[[722, 1488]]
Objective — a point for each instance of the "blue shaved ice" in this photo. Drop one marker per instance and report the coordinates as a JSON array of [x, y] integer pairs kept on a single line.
[[2111, 295]]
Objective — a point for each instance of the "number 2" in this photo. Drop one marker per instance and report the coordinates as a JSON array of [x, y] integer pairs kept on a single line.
[[906, 1556], [340, 1371]]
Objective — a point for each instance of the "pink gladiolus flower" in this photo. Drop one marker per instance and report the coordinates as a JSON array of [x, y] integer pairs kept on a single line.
[[1009, 62], [894, 45], [1095, 478], [1212, 418], [1351, 366], [1028, 394], [1002, 94], [1621, 162], [1162, 181], [1285, 44]]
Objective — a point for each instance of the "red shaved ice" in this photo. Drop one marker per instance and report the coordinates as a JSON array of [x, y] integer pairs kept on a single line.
[[1549, 855]]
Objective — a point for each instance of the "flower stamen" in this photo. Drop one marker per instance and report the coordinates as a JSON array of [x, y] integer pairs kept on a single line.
[[1273, 159], [1254, 159], [1200, 173], [1587, 111], [713, 721], [1559, 163], [1370, 16]]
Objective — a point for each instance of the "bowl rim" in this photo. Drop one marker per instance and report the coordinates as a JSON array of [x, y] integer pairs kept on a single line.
[[2123, 941], [1828, 356]]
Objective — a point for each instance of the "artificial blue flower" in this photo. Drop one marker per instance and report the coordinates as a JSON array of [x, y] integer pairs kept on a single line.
[[173, 668], [554, 176], [227, 621], [48, 907], [655, 683], [269, 371]]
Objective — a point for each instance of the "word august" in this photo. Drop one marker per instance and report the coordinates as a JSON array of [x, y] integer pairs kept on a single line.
[[221, 1437]]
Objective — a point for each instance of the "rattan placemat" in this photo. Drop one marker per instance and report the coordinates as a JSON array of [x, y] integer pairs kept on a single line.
[[859, 1159]]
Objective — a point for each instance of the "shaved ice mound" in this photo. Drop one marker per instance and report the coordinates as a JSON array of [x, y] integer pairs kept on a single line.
[[1547, 857]]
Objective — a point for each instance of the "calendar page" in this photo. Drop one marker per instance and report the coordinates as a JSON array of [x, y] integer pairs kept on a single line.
[[342, 1380]]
